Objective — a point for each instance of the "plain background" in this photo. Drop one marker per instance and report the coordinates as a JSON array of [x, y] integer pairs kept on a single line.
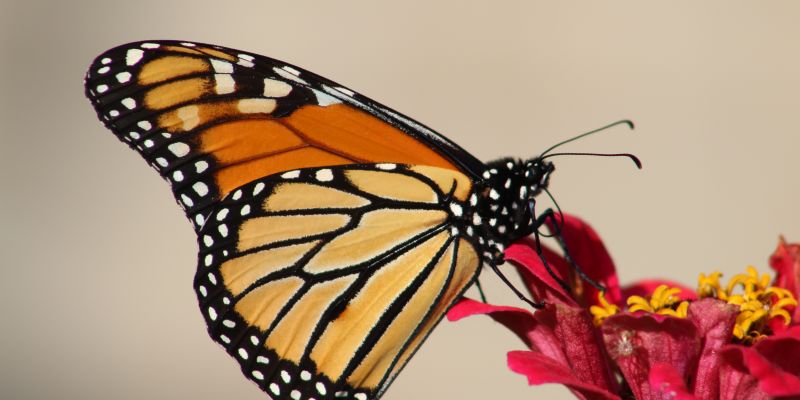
[[97, 261]]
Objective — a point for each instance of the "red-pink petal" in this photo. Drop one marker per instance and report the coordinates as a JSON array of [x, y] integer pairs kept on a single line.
[[518, 320], [735, 381], [645, 288], [581, 345], [589, 252], [775, 362], [638, 341], [714, 320], [541, 285], [540, 369], [668, 382], [786, 263]]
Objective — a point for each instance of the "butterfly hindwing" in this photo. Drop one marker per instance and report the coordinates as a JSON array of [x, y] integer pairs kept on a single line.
[[211, 119], [322, 282]]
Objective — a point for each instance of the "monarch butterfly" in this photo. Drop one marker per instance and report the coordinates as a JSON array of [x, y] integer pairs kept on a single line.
[[334, 232]]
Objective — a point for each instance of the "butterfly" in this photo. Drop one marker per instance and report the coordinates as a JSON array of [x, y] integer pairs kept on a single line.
[[333, 232]]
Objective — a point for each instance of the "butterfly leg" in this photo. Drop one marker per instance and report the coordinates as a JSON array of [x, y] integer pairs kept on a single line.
[[549, 214], [480, 290], [516, 291]]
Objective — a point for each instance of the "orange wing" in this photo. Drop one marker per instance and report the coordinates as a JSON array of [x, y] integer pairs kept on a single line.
[[322, 283], [211, 119]]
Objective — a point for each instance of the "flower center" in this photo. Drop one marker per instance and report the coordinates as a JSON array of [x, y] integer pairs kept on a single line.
[[759, 303]]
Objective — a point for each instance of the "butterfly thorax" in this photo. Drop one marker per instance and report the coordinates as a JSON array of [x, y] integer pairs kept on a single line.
[[505, 198]]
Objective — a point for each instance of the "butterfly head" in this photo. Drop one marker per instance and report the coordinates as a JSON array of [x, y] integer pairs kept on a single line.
[[537, 176]]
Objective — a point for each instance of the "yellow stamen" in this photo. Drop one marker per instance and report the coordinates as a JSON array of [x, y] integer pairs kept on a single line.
[[664, 301], [758, 302], [603, 311]]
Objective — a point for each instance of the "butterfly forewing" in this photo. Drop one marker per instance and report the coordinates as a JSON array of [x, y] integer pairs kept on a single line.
[[211, 119], [325, 281]]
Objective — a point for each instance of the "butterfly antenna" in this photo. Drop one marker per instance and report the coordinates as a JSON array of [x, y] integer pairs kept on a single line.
[[630, 156], [621, 122]]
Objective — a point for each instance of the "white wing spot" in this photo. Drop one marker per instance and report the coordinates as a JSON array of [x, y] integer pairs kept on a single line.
[[287, 75], [224, 84], [134, 135], [129, 103], [162, 161], [291, 70], [200, 166], [237, 194], [261, 359], [180, 149], [276, 88], [305, 375], [360, 396], [101, 88], [148, 143], [123, 77], [199, 219], [223, 230], [273, 387], [212, 278], [245, 209], [259, 187], [105, 61], [146, 125], [149, 45], [324, 175], [243, 353], [103, 70], [208, 240], [493, 194], [254, 341], [203, 291], [386, 166], [113, 113], [247, 57], [133, 56], [325, 99], [187, 200], [290, 174], [258, 375], [225, 339], [188, 44], [285, 376], [212, 313], [321, 388], [200, 188], [295, 395], [222, 214], [229, 324], [456, 209], [208, 260], [476, 219], [345, 91], [221, 67]]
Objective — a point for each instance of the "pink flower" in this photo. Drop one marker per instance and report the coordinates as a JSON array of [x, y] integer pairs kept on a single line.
[[678, 344]]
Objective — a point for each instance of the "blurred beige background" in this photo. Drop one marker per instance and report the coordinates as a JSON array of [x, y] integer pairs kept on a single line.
[[97, 260]]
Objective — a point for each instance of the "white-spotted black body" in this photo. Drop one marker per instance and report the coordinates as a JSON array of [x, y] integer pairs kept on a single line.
[[504, 202]]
